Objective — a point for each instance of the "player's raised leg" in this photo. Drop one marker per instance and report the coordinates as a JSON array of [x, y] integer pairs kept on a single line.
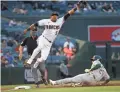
[[44, 54], [34, 54], [36, 50]]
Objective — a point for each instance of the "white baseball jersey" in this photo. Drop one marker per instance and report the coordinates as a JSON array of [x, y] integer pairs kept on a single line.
[[48, 36], [51, 28], [101, 73]]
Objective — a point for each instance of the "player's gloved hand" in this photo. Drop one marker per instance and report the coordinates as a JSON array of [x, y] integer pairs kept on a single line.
[[87, 70], [20, 56], [82, 2]]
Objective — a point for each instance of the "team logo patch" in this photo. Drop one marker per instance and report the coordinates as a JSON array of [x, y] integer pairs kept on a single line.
[[115, 36]]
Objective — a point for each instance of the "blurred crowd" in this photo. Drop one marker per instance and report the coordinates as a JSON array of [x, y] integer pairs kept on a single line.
[[10, 51], [68, 49], [25, 7], [13, 22], [98, 6]]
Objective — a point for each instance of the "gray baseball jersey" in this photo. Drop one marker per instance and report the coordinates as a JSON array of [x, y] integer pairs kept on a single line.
[[90, 78]]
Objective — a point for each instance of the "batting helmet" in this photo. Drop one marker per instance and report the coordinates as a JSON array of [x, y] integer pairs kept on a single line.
[[96, 57]]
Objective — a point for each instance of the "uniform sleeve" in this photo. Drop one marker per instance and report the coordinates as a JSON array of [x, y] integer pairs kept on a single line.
[[66, 16], [61, 20], [42, 22], [23, 43], [95, 63]]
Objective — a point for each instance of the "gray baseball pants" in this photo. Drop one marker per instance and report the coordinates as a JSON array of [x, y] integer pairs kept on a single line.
[[39, 71], [85, 78]]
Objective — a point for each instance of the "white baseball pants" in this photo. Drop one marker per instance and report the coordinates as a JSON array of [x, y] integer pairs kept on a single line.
[[44, 47]]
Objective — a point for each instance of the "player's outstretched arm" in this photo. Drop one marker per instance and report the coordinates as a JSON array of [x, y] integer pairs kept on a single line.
[[32, 27], [72, 11], [29, 28]]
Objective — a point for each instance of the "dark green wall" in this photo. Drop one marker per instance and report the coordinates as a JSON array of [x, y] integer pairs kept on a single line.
[[12, 76]]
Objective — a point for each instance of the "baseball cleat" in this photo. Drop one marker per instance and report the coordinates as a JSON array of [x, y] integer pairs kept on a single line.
[[52, 82], [73, 84], [45, 81], [77, 84], [38, 84]]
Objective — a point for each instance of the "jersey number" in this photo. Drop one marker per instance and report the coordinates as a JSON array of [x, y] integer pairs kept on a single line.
[[56, 33], [101, 71]]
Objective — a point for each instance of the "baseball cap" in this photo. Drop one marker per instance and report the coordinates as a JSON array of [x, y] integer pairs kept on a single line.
[[54, 13]]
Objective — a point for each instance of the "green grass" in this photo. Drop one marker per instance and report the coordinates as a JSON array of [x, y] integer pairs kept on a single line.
[[64, 89], [72, 89]]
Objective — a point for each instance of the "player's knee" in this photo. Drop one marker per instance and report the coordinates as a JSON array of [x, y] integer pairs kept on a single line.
[[41, 59], [44, 57]]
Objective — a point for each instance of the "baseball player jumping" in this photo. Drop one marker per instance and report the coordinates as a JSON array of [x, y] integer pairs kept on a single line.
[[52, 28], [93, 76]]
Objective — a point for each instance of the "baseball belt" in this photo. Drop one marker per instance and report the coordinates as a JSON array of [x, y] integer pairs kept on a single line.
[[47, 39]]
